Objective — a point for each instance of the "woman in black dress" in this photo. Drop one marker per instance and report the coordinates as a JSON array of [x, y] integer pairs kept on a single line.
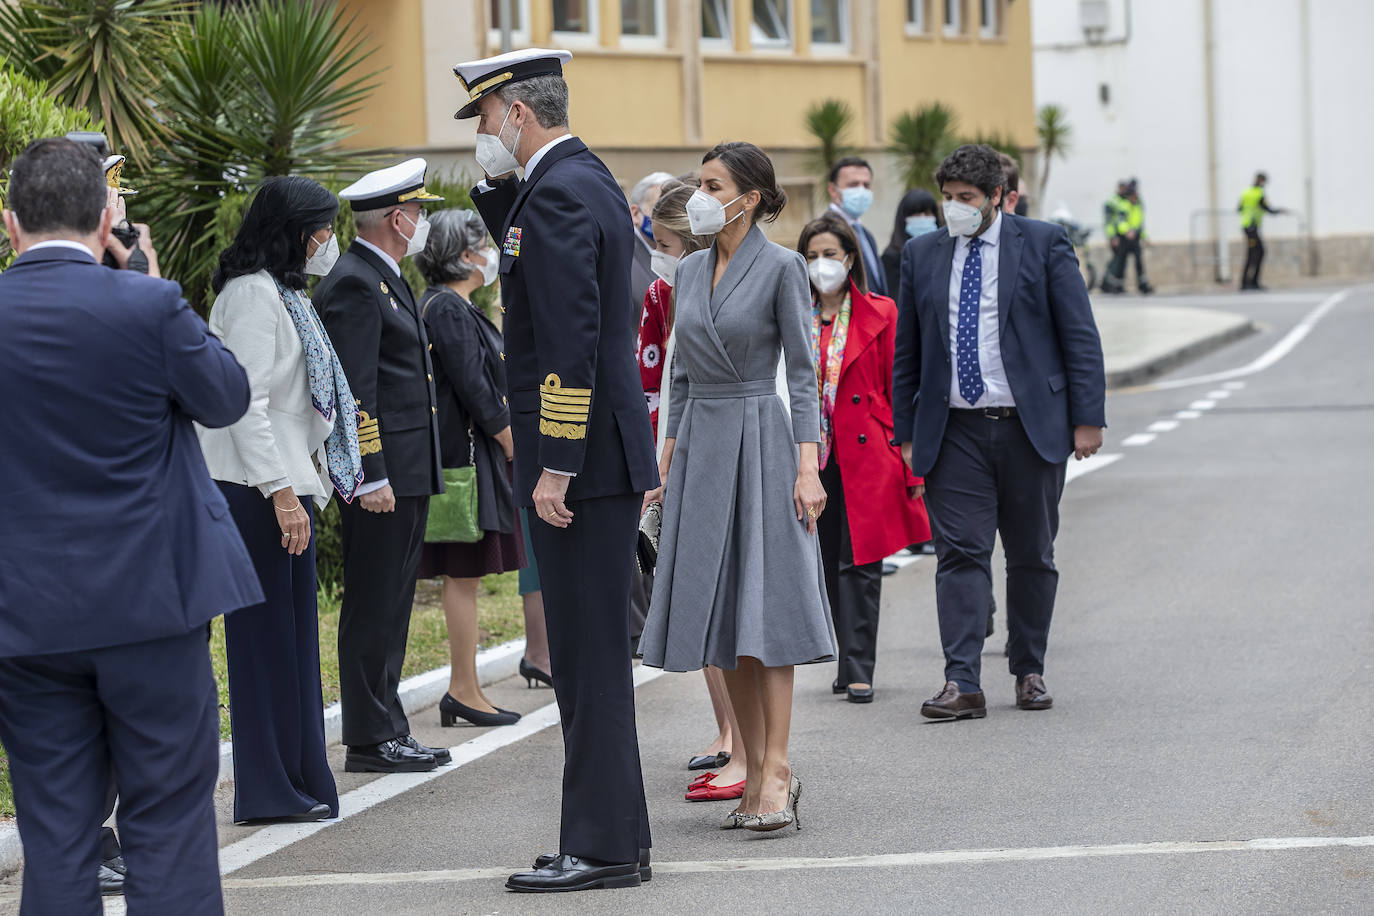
[[474, 427]]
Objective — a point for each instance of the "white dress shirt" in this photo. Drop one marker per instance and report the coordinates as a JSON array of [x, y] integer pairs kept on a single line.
[[63, 243], [996, 390], [389, 261]]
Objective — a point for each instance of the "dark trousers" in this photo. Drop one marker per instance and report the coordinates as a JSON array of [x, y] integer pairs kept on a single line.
[[1116, 271], [150, 712], [987, 479], [854, 590], [381, 552], [275, 702], [1254, 257], [585, 570]]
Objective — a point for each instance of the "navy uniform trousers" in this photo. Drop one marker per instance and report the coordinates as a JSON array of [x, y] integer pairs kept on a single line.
[[66, 720], [989, 478], [586, 572]]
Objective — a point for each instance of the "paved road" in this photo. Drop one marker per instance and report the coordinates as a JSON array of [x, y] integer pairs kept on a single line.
[[1213, 668]]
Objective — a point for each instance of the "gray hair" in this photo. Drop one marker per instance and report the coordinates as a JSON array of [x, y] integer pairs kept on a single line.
[[648, 182], [368, 220], [452, 233], [545, 96]]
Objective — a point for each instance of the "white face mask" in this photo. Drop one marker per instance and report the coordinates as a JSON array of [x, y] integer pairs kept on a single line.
[[322, 261], [490, 267], [665, 265], [493, 155], [827, 274], [707, 215], [963, 219], [416, 243]]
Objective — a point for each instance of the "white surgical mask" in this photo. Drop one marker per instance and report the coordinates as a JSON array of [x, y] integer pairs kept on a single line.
[[707, 215], [490, 267], [827, 274], [856, 200], [416, 243], [917, 226], [322, 261], [665, 265], [963, 219], [492, 153]]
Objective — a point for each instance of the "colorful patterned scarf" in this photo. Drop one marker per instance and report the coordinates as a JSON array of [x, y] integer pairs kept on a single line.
[[329, 393], [828, 367]]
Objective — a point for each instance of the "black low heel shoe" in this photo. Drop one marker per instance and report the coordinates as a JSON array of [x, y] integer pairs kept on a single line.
[[532, 674], [450, 711]]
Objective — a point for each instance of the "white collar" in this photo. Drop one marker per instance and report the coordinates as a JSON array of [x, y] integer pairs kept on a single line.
[[543, 150], [386, 258], [62, 243], [845, 213]]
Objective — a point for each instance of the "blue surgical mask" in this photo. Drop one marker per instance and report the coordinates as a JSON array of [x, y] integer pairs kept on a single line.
[[646, 226], [856, 201], [919, 225]]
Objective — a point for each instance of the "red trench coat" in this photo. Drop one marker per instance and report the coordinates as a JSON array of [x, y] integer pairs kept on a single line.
[[882, 519]]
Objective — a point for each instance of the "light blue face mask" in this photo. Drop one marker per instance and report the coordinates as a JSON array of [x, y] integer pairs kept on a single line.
[[856, 201], [919, 225]]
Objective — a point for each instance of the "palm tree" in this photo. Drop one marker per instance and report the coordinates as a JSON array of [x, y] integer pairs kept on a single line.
[[920, 139], [1056, 137], [828, 121]]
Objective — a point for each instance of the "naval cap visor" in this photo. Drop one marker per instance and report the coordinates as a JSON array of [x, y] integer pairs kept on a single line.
[[486, 80]]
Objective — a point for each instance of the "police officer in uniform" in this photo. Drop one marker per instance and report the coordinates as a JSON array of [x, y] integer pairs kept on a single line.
[[1252, 207], [374, 324], [584, 452]]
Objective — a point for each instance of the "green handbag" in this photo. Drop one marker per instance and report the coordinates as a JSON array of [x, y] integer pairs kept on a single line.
[[453, 513]]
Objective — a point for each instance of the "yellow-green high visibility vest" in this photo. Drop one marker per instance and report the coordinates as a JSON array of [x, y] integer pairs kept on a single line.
[[1135, 219], [1114, 213], [1251, 211]]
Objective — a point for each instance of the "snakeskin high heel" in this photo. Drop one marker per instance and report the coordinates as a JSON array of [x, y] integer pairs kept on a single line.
[[762, 823], [734, 820]]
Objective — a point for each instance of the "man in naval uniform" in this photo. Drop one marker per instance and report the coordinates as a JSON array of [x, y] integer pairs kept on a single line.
[[584, 452], [372, 320]]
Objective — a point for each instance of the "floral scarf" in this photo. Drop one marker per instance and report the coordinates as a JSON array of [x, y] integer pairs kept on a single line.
[[329, 393], [828, 367]]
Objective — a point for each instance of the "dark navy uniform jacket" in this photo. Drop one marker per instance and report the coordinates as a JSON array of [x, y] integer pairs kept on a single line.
[[374, 324], [576, 401]]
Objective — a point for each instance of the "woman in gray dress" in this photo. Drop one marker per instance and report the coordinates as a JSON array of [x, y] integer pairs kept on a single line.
[[738, 583]]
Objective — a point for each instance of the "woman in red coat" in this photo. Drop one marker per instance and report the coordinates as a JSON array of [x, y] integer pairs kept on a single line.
[[874, 505]]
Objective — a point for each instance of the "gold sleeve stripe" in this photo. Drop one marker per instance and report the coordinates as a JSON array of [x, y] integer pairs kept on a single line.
[[570, 415], [368, 437], [560, 398], [562, 430], [370, 447], [552, 384]]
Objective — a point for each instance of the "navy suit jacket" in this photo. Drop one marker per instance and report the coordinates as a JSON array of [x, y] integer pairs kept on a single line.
[[577, 403], [113, 531], [1049, 342]]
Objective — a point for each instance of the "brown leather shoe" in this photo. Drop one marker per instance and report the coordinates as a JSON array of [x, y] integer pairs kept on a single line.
[[949, 703], [1031, 693]]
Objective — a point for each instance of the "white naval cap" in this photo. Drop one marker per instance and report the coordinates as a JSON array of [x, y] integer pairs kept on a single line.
[[388, 187], [114, 165], [481, 78]]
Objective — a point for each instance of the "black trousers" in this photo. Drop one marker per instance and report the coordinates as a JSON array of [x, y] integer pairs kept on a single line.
[[854, 590], [1116, 270], [586, 572], [988, 479], [275, 702], [1254, 257], [148, 711], [381, 552]]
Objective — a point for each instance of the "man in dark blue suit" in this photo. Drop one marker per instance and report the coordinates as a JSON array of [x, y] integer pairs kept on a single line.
[[584, 451], [998, 379], [116, 551], [851, 194]]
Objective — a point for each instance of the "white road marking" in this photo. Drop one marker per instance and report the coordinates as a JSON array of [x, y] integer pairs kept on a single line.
[[1138, 439], [1234, 386], [1188, 414], [1275, 353], [1163, 426], [1202, 405], [902, 559], [1220, 394], [1077, 469], [891, 860]]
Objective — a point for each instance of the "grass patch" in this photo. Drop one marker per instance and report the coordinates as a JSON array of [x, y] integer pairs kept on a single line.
[[6, 795]]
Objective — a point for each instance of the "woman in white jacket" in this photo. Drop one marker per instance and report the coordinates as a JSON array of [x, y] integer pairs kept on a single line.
[[297, 443]]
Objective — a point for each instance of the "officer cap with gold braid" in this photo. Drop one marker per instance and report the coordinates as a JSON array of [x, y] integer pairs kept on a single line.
[[389, 187], [480, 78]]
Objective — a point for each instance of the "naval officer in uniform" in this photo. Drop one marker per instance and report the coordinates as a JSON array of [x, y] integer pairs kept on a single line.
[[371, 316], [584, 452]]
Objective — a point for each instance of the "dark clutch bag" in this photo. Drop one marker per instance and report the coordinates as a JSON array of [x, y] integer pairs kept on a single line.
[[646, 557]]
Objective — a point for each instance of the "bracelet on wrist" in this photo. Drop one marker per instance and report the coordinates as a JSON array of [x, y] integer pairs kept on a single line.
[[294, 508]]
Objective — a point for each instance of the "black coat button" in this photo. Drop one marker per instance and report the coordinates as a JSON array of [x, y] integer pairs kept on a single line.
[[857, 399], [862, 438]]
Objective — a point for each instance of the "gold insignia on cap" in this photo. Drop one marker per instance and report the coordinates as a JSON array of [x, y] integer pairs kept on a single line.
[[475, 92], [418, 194], [563, 412]]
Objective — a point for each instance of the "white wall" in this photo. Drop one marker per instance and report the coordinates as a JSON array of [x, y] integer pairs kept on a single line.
[[1154, 126]]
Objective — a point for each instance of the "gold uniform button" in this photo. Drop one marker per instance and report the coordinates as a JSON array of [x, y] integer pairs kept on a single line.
[[428, 376], [434, 410], [504, 401], [503, 357], [431, 346]]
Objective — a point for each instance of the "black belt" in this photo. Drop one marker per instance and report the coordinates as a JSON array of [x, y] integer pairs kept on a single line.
[[990, 413]]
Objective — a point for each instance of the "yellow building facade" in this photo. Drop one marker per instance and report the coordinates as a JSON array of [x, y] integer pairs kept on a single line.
[[655, 83]]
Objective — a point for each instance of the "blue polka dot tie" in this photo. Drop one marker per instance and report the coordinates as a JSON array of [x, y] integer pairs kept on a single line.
[[966, 349]]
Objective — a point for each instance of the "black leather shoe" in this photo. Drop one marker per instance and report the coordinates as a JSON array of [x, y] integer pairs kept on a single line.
[[317, 813], [111, 882], [836, 686], [949, 703], [532, 674], [440, 754], [646, 873], [859, 694], [709, 761], [569, 873], [388, 757]]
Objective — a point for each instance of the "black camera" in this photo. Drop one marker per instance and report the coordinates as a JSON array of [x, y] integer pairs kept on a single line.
[[114, 166]]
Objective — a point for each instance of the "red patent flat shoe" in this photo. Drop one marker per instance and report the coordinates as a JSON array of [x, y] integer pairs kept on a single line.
[[702, 780], [708, 792]]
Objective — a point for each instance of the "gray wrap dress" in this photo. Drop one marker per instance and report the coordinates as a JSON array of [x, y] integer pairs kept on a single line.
[[737, 574]]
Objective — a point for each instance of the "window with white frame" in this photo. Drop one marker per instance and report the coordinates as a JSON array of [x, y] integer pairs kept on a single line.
[[519, 21], [990, 18], [830, 25], [772, 26], [916, 17], [954, 17], [641, 21], [575, 20], [715, 23]]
